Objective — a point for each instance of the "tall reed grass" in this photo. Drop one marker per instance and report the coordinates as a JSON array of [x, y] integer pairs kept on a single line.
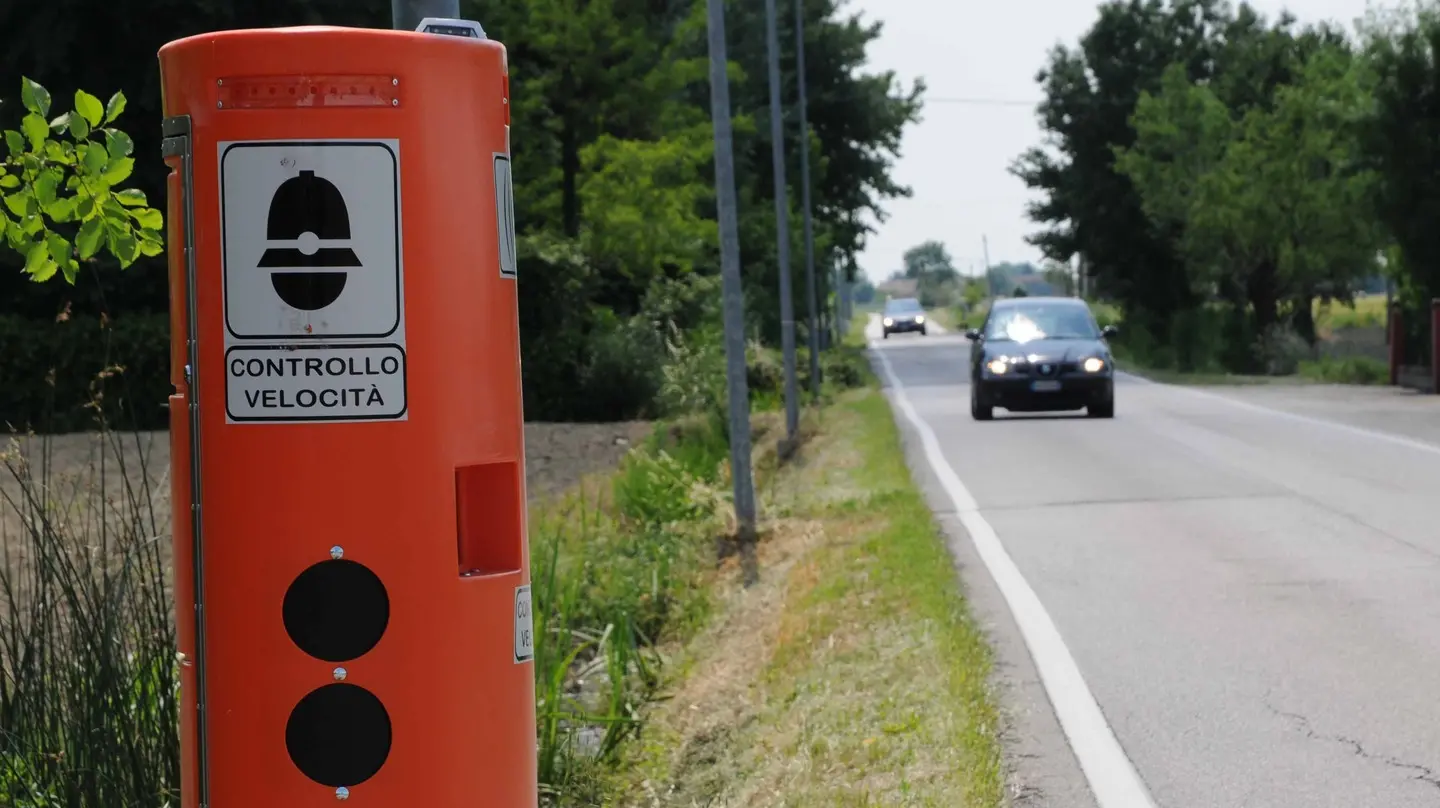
[[88, 674]]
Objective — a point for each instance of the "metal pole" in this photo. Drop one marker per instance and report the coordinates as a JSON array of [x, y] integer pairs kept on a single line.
[[732, 299], [782, 227], [805, 195], [989, 284], [405, 15]]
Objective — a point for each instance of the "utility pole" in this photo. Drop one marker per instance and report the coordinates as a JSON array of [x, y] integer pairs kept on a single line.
[[782, 228], [731, 296], [805, 195], [989, 284], [405, 15]]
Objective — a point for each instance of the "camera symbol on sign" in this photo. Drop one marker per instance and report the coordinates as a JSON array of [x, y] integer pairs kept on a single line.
[[309, 212]]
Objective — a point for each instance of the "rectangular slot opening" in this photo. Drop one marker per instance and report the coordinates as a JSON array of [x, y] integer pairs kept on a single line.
[[488, 518]]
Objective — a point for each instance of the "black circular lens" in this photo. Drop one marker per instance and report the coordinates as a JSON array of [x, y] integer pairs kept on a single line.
[[336, 610], [339, 735]]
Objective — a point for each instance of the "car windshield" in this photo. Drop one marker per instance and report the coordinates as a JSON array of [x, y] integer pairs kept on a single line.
[[904, 305], [1026, 323]]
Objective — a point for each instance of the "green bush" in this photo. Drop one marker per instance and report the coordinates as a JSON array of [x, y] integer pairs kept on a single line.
[[1351, 370], [765, 372], [48, 368], [844, 367], [622, 377], [1280, 350], [656, 489]]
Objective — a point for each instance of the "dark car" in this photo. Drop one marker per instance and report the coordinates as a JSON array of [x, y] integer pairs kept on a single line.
[[1041, 354], [902, 314]]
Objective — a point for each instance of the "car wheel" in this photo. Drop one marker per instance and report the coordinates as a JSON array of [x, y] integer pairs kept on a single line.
[[980, 409], [923, 332], [1106, 410], [886, 333]]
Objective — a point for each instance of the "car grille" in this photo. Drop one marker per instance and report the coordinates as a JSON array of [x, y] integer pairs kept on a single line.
[[1047, 369]]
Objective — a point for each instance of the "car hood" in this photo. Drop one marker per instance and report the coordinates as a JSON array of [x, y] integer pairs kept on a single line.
[[1048, 350]]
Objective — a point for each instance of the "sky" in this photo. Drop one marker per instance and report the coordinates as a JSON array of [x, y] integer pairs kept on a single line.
[[956, 159]]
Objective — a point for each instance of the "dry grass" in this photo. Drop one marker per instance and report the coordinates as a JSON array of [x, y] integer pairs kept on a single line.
[[851, 675]]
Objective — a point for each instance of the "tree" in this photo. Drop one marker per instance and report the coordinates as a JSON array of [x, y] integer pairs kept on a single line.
[[1270, 207], [1401, 142], [1088, 207], [975, 293], [929, 258], [1004, 276], [1060, 278], [930, 266], [864, 291], [59, 179]]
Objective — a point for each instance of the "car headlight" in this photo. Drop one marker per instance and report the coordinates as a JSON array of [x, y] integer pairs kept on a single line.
[[1094, 365], [920, 318], [997, 366], [889, 321]]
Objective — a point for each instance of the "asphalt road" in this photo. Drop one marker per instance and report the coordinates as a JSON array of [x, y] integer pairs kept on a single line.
[[1247, 579]]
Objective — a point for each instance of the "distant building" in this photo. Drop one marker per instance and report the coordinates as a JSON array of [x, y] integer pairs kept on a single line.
[[1035, 285], [899, 287]]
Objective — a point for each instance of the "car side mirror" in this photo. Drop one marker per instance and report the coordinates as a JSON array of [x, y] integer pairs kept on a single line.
[[1109, 331], [972, 334]]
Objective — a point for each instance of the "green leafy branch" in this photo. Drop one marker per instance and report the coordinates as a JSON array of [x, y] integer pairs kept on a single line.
[[59, 184]]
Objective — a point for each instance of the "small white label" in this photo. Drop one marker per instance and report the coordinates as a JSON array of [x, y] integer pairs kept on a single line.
[[307, 383], [524, 626], [505, 215]]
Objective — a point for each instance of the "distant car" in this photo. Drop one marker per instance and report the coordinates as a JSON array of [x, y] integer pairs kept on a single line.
[[902, 314], [1041, 354]]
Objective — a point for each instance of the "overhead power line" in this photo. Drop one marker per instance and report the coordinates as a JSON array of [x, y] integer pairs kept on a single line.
[[981, 102]]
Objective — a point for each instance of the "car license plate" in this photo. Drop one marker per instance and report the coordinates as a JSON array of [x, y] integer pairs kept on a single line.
[[1045, 386]]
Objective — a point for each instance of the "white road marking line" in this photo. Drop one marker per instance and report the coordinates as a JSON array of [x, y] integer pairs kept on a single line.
[[1113, 779], [1359, 431]]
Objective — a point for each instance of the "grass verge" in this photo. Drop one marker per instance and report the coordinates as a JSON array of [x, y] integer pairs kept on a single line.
[[1351, 370], [1205, 379], [852, 674]]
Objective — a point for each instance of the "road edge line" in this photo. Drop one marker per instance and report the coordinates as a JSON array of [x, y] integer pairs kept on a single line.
[[1112, 777], [1358, 431]]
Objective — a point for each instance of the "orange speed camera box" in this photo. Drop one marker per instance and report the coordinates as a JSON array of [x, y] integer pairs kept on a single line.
[[352, 573]]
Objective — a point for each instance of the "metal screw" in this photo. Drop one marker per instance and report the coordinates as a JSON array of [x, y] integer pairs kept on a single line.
[[342, 793], [337, 552], [219, 82], [340, 674], [395, 82], [219, 104], [394, 102]]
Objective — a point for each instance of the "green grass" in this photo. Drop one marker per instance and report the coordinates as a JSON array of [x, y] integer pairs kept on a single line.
[[617, 570], [1204, 378], [1352, 370], [624, 570], [1202, 335], [1368, 312], [853, 673]]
